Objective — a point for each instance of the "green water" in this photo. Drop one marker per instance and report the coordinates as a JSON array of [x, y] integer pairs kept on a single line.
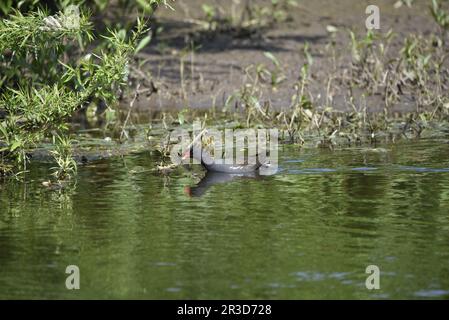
[[308, 232]]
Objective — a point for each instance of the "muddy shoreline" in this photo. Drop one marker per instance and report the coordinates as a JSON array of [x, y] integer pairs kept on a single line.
[[216, 69]]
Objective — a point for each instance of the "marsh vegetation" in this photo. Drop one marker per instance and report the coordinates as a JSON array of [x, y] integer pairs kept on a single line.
[[51, 72]]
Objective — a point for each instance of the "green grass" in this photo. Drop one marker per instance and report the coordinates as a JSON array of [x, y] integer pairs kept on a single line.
[[47, 75]]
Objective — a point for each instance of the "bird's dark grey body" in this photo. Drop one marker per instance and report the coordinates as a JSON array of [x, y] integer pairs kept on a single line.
[[232, 169], [209, 163], [218, 172]]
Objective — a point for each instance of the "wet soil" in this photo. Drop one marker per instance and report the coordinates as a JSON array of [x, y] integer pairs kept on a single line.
[[216, 69]]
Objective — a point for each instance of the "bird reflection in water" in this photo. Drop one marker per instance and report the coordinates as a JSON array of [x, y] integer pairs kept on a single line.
[[213, 178]]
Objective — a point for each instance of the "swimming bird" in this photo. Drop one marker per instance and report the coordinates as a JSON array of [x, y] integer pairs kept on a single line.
[[209, 163]]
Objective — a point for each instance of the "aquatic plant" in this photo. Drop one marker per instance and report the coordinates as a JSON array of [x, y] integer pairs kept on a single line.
[[440, 16], [41, 87], [251, 18], [62, 154], [416, 69]]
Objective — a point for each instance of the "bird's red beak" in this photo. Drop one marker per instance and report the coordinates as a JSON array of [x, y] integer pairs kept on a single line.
[[188, 191], [186, 155]]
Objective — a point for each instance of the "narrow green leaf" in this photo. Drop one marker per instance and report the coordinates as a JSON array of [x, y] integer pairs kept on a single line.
[[143, 43]]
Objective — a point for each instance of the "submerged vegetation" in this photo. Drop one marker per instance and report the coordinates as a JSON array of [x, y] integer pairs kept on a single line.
[[50, 71]]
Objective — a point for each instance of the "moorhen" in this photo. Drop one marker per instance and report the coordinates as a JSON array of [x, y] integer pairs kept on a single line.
[[208, 162]]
